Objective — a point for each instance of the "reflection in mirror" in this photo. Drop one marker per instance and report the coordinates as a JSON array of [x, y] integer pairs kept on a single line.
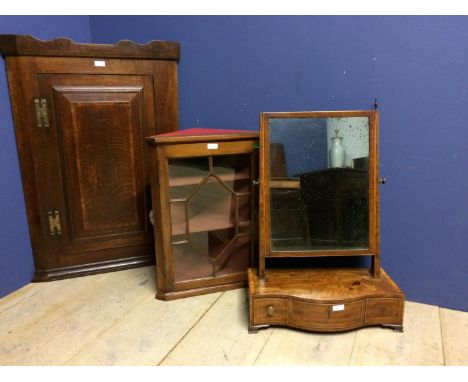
[[319, 183]]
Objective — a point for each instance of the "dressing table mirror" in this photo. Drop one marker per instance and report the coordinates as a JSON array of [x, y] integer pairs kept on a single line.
[[319, 198]]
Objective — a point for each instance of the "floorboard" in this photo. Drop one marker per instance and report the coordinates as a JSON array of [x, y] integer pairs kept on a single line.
[[114, 319], [51, 325], [419, 344], [221, 336], [454, 327], [294, 347]]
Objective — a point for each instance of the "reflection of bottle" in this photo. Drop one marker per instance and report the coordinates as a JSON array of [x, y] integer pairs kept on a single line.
[[336, 154]]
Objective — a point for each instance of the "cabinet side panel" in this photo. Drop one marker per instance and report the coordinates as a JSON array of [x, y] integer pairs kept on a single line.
[[157, 217], [23, 88], [166, 96], [162, 229], [166, 120]]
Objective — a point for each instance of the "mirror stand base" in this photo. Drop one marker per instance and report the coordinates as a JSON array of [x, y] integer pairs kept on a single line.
[[324, 299]]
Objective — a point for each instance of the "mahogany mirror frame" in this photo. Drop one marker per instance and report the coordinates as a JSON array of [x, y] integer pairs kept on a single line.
[[373, 249]]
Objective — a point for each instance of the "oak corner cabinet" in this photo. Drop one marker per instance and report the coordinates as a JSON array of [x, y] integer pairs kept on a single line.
[[203, 194], [81, 112], [318, 217]]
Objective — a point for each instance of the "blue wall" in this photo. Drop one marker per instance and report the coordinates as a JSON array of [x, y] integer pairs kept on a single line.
[[16, 263], [234, 67]]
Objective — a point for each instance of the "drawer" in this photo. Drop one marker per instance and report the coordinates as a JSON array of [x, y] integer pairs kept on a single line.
[[270, 311], [314, 316], [384, 311], [209, 148]]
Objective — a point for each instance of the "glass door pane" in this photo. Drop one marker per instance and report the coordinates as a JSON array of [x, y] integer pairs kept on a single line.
[[210, 199]]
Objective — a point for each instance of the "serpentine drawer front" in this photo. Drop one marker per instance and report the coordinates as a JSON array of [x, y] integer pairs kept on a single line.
[[327, 316]]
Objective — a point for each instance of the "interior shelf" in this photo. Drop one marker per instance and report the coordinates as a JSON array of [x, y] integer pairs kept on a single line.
[[196, 179], [205, 223]]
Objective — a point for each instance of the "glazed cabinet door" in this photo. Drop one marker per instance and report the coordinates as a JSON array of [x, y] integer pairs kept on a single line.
[[205, 224]]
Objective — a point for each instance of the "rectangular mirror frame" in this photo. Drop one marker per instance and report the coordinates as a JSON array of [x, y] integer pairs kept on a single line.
[[264, 210]]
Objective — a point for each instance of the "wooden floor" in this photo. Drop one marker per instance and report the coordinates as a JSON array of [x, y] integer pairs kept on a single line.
[[113, 319]]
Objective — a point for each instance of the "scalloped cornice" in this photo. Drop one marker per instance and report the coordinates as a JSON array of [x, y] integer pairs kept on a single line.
[[27, 45]]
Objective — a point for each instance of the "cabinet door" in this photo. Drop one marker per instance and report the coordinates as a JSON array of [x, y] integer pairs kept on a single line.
[[90, 167], [204, 224], [210, 200]]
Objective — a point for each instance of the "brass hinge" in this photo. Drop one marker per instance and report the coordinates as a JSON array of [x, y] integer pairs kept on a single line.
[[42, 114], [54, 223]]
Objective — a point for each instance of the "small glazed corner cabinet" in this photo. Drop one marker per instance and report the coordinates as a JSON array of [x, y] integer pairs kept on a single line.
[[203, 194], [81, 113], [319, 222]]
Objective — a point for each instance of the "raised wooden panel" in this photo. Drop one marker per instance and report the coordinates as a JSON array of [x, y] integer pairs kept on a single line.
[[101, 132], [98, 124]]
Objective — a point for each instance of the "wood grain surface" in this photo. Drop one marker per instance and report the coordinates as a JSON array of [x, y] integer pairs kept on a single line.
[[67, 322]]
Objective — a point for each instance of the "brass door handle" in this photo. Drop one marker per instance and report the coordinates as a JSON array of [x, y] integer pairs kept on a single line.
[[382, 179], [270, 310]]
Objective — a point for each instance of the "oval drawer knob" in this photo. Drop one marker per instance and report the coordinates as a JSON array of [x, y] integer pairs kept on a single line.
[[270, 310]]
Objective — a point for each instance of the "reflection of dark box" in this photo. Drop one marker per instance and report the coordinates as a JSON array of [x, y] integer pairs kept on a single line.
[[362, 163], [287, 214], [337, 206]]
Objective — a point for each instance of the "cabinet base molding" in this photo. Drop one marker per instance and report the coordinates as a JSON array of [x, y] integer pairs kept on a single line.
[[324, 300], [91, 269], [169, 296]]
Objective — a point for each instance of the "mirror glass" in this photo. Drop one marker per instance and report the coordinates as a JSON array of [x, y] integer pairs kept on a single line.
[[319, 183]]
